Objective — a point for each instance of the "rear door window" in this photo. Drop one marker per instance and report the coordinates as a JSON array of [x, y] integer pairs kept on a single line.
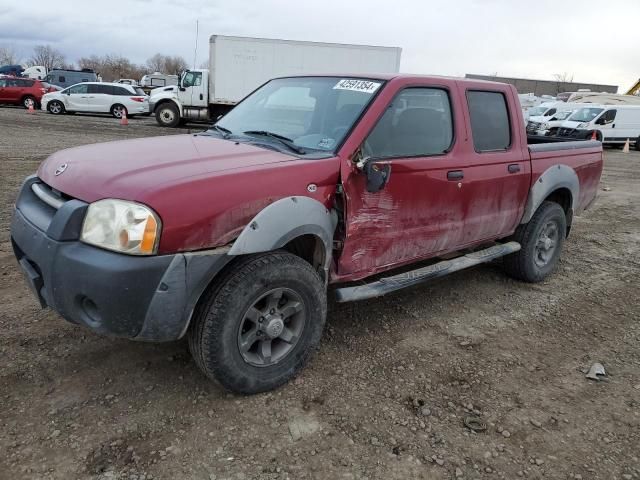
[[490, 126], [120, 91]]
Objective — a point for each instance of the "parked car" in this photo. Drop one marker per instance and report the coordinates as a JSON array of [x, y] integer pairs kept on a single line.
[[547, 125], [22, 91], [13, 70], [65, 78], [612, 124], [98, 97], [230, 237]]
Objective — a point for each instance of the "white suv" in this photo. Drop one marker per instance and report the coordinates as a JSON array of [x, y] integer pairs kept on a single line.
[[98, 97]]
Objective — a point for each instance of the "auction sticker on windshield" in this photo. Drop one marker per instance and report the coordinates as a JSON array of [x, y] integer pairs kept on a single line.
[[364, 86]]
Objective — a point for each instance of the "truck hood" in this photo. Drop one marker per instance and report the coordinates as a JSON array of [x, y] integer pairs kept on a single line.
[[129, 169]]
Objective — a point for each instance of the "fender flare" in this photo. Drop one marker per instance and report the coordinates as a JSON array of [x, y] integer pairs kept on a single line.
[[553, 178], [282, 221]]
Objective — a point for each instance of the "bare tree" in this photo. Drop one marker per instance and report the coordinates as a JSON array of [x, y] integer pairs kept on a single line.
[[174, 65], [168, 64], [563, 77], [8, 56], [112, 67], [156, 63], [48, 57]]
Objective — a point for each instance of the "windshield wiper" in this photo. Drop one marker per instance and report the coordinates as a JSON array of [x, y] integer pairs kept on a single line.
[[225, 131], [280, 138]]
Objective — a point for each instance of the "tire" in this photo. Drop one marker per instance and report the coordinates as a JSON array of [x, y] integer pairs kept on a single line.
[[167, 115], [118, 110], [55, 107], [538, 257], [29, 99], [243, 302], [637, 146]]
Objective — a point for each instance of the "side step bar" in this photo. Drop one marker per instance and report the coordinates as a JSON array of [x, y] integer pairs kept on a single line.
[[414, 277]]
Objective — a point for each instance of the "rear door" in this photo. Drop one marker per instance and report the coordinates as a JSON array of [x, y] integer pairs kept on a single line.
[[99, 98], [499, 170]]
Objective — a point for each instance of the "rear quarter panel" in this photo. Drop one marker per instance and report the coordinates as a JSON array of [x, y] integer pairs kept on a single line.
[[586, 162]]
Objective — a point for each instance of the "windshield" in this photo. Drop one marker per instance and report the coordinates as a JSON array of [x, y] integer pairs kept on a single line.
[[537, 111], [313, 112], [585, 114], [563, 115]]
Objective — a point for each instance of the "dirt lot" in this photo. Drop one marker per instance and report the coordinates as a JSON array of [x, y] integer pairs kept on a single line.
[[385, 396]]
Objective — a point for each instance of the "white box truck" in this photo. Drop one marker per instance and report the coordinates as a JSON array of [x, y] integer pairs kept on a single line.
[[239, 65]]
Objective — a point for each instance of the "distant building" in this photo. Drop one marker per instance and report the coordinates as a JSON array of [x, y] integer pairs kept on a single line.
[[546, 87]]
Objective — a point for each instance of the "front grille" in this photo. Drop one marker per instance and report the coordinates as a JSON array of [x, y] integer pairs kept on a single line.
[[533, 127], [566, 132]]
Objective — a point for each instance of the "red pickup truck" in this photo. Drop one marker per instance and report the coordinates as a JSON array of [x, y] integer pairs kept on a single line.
[[231, 236]]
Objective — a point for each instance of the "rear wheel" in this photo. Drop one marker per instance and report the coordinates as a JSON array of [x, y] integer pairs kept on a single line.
[[56, 107], [260, 322], [541, 239], [118, 110], [638, 143], [167, 115]]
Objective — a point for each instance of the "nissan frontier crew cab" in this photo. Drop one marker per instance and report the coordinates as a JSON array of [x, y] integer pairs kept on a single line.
[[231, 237]]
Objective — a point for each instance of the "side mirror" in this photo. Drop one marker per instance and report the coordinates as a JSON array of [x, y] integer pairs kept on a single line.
[[377, 175], [601, 121], [182, 89]]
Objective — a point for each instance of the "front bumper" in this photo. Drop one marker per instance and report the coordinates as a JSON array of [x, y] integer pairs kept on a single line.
[[142, 298]]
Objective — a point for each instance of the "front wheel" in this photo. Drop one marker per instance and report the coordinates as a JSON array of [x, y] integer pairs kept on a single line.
[[260, 322], [541, 239], [167, 115], [55, 107], [638, 143]]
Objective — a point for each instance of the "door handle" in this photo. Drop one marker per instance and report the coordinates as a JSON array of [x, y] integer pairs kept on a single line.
[[200, 96], [455, 175], [514, 168]]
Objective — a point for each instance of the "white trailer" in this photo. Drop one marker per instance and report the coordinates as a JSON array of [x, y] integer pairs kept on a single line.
[[239, 65]]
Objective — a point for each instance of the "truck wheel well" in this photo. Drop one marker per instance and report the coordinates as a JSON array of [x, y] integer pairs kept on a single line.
[[310, 248], [563, 197]]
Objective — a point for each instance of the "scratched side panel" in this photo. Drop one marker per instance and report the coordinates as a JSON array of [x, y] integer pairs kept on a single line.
[[417, 214]]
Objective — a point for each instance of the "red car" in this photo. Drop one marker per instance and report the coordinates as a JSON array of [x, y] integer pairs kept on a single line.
[[22, 91], [231, 237]]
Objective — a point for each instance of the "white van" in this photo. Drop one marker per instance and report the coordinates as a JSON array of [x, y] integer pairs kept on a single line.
[[613, 124], [546, 109], [552, 116]]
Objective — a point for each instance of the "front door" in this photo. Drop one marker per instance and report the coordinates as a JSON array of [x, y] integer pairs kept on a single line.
[[419, 213], [192, 92], [77, 99]]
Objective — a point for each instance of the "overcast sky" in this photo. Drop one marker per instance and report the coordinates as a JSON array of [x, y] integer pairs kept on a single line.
[[594, 40]]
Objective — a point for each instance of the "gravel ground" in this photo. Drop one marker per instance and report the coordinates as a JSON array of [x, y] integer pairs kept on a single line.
[[386, 395]]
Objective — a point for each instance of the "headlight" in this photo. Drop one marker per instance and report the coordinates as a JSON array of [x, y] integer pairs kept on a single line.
[[583, 125], [121, 226]]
